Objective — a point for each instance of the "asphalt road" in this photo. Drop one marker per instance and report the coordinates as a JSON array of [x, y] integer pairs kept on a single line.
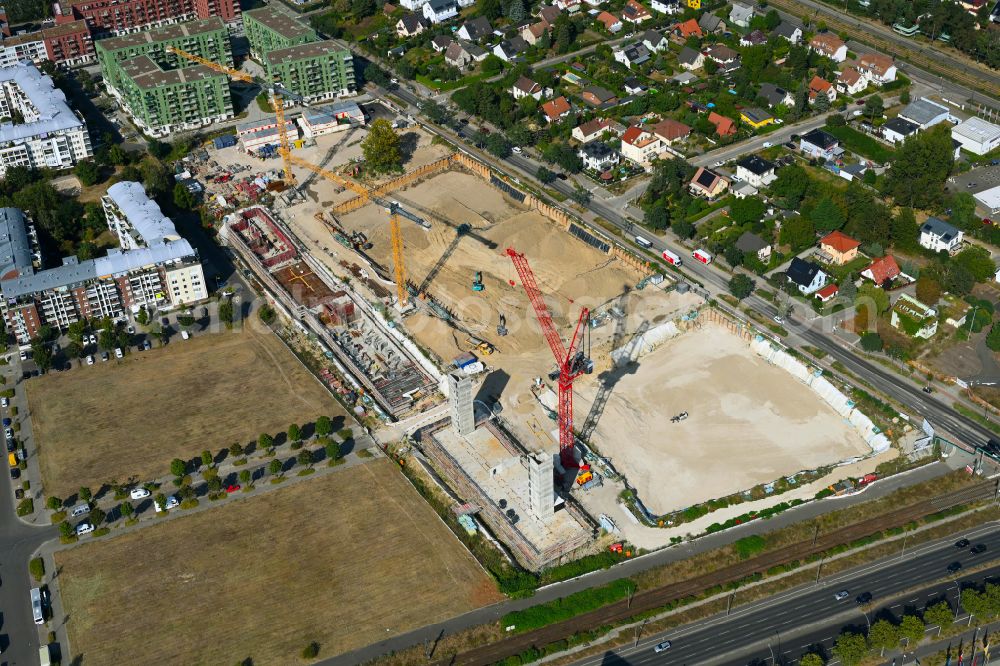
[[789, 623]]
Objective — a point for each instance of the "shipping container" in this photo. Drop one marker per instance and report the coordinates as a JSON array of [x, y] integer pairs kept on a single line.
[[702, 256], [671, 258]]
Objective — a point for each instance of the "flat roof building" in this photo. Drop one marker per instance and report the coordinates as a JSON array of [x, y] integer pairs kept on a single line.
[[317, 70], [977, 136], [269, 28]]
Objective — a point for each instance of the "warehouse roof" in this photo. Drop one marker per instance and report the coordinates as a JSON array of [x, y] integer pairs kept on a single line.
[[976, 129], [922, 111]]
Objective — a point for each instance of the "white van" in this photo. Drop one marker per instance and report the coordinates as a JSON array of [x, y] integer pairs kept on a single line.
[[185, 335]]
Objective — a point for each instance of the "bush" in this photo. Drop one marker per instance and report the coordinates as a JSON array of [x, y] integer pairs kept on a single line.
[[562, 609], [25, 507], [749, 546], [310, 651], [871, 342], [37, 569]]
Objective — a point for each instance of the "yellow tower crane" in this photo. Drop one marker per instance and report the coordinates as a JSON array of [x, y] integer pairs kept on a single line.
[[278, 94]]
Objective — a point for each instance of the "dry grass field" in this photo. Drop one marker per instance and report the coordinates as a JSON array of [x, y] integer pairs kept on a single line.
[[115, 420], [336, 560]]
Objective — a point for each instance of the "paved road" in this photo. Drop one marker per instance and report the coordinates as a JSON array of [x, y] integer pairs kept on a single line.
[[789, 623]]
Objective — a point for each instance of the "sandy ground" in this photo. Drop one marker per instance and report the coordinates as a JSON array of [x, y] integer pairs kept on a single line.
[[749, 422]]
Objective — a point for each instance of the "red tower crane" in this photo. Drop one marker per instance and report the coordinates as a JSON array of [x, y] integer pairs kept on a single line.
[[572, 362]]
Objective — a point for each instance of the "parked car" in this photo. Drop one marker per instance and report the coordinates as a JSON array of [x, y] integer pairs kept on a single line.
[[146, 346], [80, 510], [118, 352], [768, 144], [232, 488], [8, 433], [11, 445], [131, 329], [185, 335], [15, 473], [90, 359], [517, 149], [86, 527], [171, 503], [104, 356], [19, 493], [139, 493], [4, 402], [92, 338]]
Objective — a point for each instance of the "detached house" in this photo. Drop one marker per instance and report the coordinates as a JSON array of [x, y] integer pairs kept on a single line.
[[668, 7], [817, 143], [711, 24], [409, 26], [549, 14], [829, 45], [880, 69], [925, 113], [819, 87], [754, 38], [591, 130], [913, 317], [670, 130], [440, 43], [882, 271], [775, 95], [532, 34], [706, 183], [634, 12], [611, 22], [755, 170], [840, 247], [598, 97], [898, 129], [740, 15], [509, 49], [632, 55], [788, 31], [756, 118], [568, 6], [438, 11], [525, 87], [938, 235], [654, 41], [598, 156], [807, 276], [556, 109], [690, 59], [640, 146], [752, 243], [851, 81], [456, 55], [721, 54], [723, 126], [474, 30], [689, 28]]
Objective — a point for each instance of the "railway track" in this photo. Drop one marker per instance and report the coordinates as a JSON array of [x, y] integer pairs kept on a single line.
[[963, 74], [661, 596]]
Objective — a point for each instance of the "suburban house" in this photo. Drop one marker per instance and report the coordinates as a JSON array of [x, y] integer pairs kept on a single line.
[[976, 135], [693, 4], [556, 109], [749, 242], [670, 130], [525, 87], [721, 54], [684, 78], [640, 146], [754, 38], [913, 317], [879, 69], [706, 183], [632, 55], [819, 87], [611, 22], [817, 143], [723, 126], [591, 130], [409, 26], [569, 6], [633, 86], [654, 41], [938, 235], [635, 12], [438, 11], [841, 248], [743, 189], [896, 130], [598, 96], [549, 14], [775, 95], [598, 156], [882, 271], [755, 170], [756, 118], [827, 292], [474, 30], [829, 45], [711, 24], [666, 6], [689, 28], [533, 33], [509, 49], [440, 43], [925, 113], [850, 81], [456, 55], [690, 59], [792, 33], [807, 276], [740, 15]]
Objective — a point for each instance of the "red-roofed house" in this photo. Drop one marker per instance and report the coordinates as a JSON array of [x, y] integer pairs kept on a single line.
[[841, 247], [829, 45], [827, 292], [556, 109], [640, 146], [670, 130], [533, 33], [851, 81], [689, 28], [611, 22], [635, 13], [723, 126], [879, 69], [707, 183], [820, 86], [882, 270]]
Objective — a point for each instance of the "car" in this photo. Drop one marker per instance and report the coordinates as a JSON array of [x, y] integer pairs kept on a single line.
[[660, 647], [118, 352], [80, 510], [463, 121], [4, 402], [864, 598], [15, 473], [978, 549], [146, 346], [104, 356], [131, 329], [840, 596], [232, 488], [171, 503], [719, 163], [93, 339], [24, 355], [6, 422], [517, 149], [768, 144], [185, 335], [860, 102], [954, 567], [962, 543], [561, 176], [90, 359], [971, 185], [8, 433], [927, 389], [86, 527], [857, 112], [394, 81], [138, 493], [777, 319], [11, 446]]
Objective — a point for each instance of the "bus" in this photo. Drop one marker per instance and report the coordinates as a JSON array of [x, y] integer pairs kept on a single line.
[[671, 258], [36, 605], [702, 256], [643, 242]]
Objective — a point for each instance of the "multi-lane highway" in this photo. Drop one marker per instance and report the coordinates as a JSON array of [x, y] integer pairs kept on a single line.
[[787, 625]]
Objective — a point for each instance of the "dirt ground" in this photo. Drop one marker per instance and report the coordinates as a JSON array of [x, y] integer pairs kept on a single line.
[[120, 419], [749, 422], [330, 564]]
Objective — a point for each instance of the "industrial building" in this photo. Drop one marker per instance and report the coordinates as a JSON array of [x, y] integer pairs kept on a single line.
[[155, 268], [52, 135], [120, 17], [977, 136], [161, 91], [319, 120]]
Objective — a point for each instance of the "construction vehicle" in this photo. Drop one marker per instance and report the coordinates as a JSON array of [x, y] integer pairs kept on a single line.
[[482, 346], [502, 326], [477, 281], [572, 361], [584, 474]]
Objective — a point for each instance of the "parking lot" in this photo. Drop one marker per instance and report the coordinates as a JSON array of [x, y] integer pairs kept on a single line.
[[975, 180]]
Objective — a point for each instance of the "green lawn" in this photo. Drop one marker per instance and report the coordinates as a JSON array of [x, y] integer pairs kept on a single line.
[[860, 143], [443, 86]]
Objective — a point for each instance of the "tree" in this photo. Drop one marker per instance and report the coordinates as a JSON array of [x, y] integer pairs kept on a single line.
[[65, 529], [939, 615], [305, 457], [920, 168], [245, 476], [332, 449], [178, 467], [544, 176], [76, 330], [874, 106], [734, 256], [827, 216], [434, 111], [265, 441], [156, 177], [928, 290], [53, 503], [515, 11], [214, 484], [975, 603], [323, 426], [381, 147], [580, 196], [492, 65], [740, 286], [798, 232], [310, 651], [657, 216], [811, 659], [682, 228], [275, 466], [903, 230], [84, 494], [791, 185], [87, 172], [294, 432], [850, 648], [747, 210], [498, 145], [41, 352], [127, 510], [875, 296], [160, 500], [206, 458], [183, 198], [904, 97], [491, 9], [97, 516], [883, 635], [977, 261], [958, 279], [226, 312], [871, 342], [963, 211], [821, 103]]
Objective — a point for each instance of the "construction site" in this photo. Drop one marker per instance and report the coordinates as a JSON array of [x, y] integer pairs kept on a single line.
[[452, 282]]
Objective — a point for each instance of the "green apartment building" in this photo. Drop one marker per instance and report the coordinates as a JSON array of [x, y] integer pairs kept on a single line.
[[163, 92], [269, 29], [317, 70]]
